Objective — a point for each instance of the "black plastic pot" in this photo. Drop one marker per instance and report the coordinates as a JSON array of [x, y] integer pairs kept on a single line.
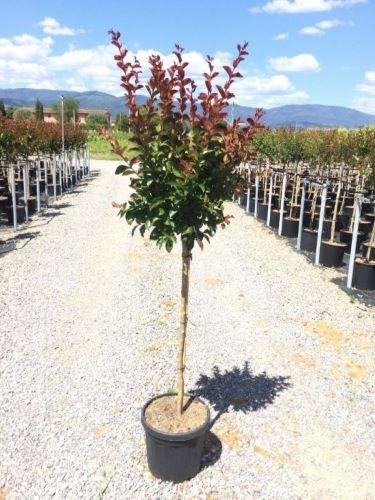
[[365, 248], [364, 275], [370, 217], [331, 254], [365, 226], [308, 240], [174, 457], [275, 218], [290, 227], [346, 237], [21, 215], [262, 211]]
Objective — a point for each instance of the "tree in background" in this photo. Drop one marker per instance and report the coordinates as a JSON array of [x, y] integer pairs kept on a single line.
[[122, 122], [71, 107], [23, 114], [97, 120], [39, 110], [9, 112], [2, 108]]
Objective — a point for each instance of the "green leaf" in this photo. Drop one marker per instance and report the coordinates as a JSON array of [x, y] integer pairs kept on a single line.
[[123, 170]]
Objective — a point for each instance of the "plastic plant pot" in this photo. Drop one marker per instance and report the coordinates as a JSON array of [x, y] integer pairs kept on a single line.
[[308, 240], [364, 274], [262, 211], [365, 226], [346, 237], [275, 218], [174, 457], [21, 215], [331, 253], [365, 248], [370, 216], [290, 227]]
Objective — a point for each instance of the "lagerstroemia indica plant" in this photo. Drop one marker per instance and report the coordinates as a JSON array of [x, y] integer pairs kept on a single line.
[[185, 159]]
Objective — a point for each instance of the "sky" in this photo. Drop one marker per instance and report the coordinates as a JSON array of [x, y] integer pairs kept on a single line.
[[301, 51]]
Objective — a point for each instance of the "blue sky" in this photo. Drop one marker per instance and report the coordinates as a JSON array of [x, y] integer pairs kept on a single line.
[[301, 51]]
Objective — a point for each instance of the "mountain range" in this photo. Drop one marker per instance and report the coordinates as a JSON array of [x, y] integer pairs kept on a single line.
[[298, 115]]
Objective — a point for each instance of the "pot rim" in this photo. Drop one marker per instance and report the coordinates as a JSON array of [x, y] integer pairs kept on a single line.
[[172, 436]]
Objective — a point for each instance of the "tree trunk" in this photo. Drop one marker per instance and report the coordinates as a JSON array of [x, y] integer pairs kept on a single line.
[[186, 257], [334, 217]]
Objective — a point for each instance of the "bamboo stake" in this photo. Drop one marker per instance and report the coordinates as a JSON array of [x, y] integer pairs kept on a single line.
[[186, 257]]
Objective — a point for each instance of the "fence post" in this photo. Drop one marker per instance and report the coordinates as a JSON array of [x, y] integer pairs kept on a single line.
[[256, 196], [25, 195], [301, 213], [248, 189], [36, 166], [270, 200], [14, 198], [281, 217], [54, 177], [358, 207], [321, 220]]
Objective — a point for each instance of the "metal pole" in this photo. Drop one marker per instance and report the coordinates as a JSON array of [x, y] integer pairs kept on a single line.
[[60, 176], [256, 196], [281, 217], [353, 248], [270, 201], [321, 220], [14, 199], [301, 213], [37, 185], [248, 189], [25, 197], [54, 178]]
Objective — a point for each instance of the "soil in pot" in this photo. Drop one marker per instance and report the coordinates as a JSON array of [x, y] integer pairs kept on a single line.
[[308, 240], [331, 253], [290, 227], [364, 274], [346, 237], [175, 443]]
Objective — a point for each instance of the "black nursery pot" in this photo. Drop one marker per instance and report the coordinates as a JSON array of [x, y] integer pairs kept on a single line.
[[364, 275], [21, 216], [331, 254], [275, 218], [174, 457], [308, 240], [365, 248], [290, 227], [346, 237], [262, 211]]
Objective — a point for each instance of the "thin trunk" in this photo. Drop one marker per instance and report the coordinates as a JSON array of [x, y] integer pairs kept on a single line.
[[370, 244], [186, 257], [334, 217]]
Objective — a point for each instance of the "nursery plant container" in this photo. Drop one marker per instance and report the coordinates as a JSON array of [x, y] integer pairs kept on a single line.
[[290, 227], [275, 218], [370, 216], [364, 274], [346, 237], [262, 211], [174, 457], [365, 226], [21, 215], [331, 253], [365, 248], [308, 240]]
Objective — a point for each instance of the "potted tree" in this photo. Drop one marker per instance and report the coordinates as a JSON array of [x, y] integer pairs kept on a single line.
[[183, 169]]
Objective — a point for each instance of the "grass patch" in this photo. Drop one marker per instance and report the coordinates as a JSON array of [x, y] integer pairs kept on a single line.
[[100, 149]]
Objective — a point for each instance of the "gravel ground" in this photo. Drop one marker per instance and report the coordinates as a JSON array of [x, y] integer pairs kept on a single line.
[[88, 333]]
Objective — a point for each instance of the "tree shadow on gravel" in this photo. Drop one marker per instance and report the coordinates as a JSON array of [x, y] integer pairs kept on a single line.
[[239, 389]]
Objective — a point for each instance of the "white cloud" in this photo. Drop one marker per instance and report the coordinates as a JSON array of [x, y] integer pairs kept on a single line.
[[267, 92], [298, 6], [366, 102], [302, 62], [52, 26], [28, 61], [321, 27], [368, 87], [281, 36]]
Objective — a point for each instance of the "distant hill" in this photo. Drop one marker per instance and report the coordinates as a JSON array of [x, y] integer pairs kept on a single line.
[[298, 115]]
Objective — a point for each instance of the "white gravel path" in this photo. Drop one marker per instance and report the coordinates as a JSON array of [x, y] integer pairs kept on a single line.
[[88, 333]]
